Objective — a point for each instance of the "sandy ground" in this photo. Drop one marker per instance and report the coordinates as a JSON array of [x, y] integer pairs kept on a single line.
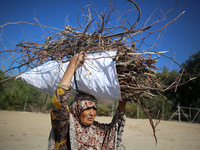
[[29, 131]]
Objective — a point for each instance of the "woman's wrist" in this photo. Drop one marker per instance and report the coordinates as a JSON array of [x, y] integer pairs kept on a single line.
[[121, 108]]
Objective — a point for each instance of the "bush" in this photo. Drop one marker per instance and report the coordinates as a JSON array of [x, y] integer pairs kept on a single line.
[[14, 93], [131, 111], [102, 110]]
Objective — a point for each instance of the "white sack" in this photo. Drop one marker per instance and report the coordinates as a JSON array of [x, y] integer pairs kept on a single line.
[[102, 83]]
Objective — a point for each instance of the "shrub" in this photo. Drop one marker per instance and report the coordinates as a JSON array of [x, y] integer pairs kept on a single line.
[[102, 110]]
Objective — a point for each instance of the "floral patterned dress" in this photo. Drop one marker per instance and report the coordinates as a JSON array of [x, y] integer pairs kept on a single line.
[[69, 133]]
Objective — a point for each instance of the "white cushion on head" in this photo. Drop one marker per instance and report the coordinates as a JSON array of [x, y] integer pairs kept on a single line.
[[98, 77]]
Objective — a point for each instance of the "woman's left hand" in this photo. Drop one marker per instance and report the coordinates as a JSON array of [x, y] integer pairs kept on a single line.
[[122, 106]]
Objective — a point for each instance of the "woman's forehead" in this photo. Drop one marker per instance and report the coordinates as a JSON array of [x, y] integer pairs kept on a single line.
[[86, 99]]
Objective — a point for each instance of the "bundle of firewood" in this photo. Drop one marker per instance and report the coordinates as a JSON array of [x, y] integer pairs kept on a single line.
[[135, 66]]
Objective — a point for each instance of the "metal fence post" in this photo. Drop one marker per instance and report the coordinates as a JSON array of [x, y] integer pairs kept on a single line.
[[179, 113], [163, 110], [190, 114], [25, 102], [113, 104], [138, 112]]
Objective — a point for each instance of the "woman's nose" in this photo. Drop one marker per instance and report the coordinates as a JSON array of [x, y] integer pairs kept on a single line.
[[92, 112]]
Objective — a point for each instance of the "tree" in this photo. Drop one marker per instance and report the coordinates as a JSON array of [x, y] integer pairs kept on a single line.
[[167, 78], [13, 94], [188, 94]]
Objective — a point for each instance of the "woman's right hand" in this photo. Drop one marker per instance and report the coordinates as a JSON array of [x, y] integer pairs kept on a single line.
[[75, 61], [78, 59]]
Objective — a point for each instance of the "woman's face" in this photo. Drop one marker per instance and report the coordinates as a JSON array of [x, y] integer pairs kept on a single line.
[[88, 116]]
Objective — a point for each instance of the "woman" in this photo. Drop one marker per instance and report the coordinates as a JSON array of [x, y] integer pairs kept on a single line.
[[74, 127]]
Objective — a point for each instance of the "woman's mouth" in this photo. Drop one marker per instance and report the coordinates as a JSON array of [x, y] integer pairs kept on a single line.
[[90, 119]]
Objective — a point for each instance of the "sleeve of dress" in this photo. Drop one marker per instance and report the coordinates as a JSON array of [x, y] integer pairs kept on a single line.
[[120, 129], [118, 123], [60, 116]]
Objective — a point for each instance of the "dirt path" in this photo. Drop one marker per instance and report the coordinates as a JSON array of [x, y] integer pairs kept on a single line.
[[29, 131]]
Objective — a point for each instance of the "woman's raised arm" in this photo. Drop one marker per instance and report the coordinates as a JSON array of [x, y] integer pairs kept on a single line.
[[75, 61]]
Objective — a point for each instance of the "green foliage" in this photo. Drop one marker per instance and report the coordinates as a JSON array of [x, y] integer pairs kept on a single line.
[[186, 94], [48, 103], [69, 100], [166, 77], [157, 108], [102, 110], [14, 94], [189, 93], [131, 111]]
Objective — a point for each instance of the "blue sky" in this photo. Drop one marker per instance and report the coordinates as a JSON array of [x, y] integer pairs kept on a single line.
[[182, 35]]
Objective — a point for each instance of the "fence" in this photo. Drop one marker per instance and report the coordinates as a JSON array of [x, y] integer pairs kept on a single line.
[[188, 117]]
